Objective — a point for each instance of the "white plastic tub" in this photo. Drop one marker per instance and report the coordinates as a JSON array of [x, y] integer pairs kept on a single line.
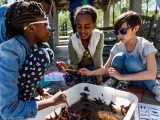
[[109, 94]]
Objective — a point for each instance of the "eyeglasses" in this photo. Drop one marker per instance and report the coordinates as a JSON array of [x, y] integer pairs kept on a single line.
[[123, 31], [45, 22]]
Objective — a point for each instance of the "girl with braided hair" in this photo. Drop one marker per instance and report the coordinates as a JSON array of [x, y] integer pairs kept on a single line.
[[26, 25], [25, 71], [47, 6]]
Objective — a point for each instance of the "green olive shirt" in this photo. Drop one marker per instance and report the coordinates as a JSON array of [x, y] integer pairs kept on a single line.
[[97, 57]]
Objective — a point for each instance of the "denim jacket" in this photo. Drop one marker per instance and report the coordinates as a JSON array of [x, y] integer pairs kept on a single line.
[[12, 56], [3, 10]]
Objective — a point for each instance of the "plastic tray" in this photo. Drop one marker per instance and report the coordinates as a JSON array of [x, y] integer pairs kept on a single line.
[[109, 94]]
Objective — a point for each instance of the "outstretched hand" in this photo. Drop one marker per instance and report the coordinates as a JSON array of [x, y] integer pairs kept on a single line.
[[54, 100], [62, 66], [59, 98], [85, 71], [45, 95], [114, 73]]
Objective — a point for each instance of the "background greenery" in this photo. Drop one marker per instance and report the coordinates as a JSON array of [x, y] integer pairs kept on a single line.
[[3, 2], [115, 11], [64, 20]]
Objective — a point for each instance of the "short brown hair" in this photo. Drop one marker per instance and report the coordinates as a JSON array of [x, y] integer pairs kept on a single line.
[[132, 19]]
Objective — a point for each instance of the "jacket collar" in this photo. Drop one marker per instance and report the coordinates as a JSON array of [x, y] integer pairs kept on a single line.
[[79, 48], [23, 42]]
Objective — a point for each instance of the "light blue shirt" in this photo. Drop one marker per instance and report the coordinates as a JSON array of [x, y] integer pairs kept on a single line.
[[12, 56]]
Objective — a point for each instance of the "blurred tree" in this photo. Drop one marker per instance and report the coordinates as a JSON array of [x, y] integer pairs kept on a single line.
[[2, 2], [64, 20]]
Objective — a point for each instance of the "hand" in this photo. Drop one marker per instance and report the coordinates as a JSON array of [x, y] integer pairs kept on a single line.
[[59, 98], [62, 66], [54, 100], [114, 73], [85, 71], [45, 95]]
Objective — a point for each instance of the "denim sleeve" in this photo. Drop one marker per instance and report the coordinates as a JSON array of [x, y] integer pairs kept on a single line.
[[11, 57], [2, 31], [2, 23]]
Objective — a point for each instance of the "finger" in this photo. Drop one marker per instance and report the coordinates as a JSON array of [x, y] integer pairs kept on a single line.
[[61, 62], [41, 98], [64, 96], [79, 71], [64, 99]]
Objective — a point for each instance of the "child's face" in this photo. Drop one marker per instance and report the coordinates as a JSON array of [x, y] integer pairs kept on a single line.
[[84, 26], [42, 30], [125, 33]]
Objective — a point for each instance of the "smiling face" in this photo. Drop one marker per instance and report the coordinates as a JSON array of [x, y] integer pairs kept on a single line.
[[84, 26]]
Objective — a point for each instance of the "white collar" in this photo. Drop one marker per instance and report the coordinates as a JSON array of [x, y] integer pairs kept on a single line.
[[79, 48]]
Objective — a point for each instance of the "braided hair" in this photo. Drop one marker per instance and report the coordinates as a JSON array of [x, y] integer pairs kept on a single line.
[[87, 9], [49, 2], [20, 14]]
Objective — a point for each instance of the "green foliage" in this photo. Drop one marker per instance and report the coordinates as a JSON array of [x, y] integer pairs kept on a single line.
[[65, 24], [64, 21], [2, 2], [64, 17], [100, 18], [115, 10]]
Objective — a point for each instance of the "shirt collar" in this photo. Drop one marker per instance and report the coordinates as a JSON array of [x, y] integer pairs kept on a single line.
[[24, 42]]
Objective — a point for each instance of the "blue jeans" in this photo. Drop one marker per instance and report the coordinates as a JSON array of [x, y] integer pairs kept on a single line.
[[128, 64]]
